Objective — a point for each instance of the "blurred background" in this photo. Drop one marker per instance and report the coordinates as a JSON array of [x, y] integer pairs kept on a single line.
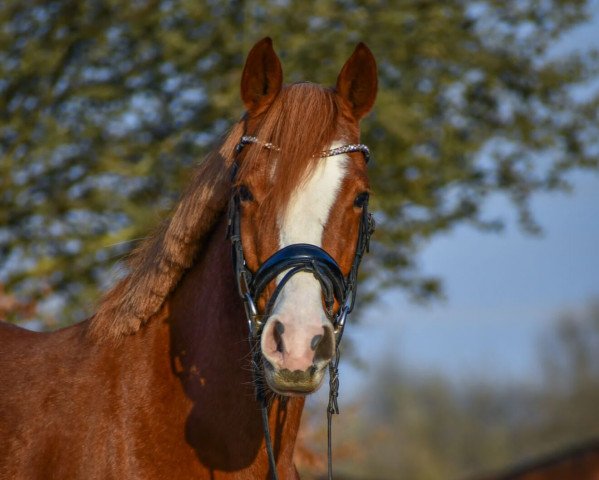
[[476, 345]]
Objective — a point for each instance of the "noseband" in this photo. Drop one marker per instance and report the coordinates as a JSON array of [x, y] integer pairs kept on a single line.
[[288, 261]]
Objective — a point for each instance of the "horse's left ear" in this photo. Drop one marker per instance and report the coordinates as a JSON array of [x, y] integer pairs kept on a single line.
[[357, 82], [262, 77]]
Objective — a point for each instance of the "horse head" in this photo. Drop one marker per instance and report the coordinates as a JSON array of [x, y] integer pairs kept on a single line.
[[298, 214]]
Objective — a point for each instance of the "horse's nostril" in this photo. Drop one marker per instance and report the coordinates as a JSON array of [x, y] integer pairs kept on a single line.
[[323, 346], [278, 334], [279, 327]]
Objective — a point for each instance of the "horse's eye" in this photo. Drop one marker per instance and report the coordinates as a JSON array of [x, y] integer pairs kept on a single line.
[[245, 195], [361, 200]]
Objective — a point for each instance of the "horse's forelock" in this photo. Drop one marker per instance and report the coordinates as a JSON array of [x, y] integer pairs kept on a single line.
[[302, 121]]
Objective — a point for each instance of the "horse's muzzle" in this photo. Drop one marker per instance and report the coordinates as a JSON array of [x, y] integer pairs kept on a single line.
[[293, 383]]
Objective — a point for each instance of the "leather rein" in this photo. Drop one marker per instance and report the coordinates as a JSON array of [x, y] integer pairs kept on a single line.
[[290, 260]]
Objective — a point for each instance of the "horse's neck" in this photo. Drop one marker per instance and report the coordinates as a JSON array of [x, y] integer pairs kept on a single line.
[[210, 357]]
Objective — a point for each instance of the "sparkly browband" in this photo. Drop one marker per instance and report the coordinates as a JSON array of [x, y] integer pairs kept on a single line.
[[350, 148], [246, 139]]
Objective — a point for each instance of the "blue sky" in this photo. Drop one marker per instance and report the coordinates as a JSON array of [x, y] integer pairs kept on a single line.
[[503, 290]]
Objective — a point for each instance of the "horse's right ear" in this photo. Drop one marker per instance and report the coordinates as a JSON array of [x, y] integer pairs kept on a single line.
[[262, 77]]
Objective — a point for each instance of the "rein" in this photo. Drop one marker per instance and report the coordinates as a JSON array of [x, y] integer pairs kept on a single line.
[[292, 259]]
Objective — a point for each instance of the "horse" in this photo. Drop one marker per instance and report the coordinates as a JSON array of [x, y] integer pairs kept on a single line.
[[161, 381]]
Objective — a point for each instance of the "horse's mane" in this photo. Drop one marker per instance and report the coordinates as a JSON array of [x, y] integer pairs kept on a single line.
[[302, 121], [158, 263]]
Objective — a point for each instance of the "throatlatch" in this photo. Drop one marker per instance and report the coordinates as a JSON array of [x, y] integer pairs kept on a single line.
[[290, 260]]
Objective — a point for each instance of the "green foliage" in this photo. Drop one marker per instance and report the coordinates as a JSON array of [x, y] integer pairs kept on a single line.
[[105, 105]]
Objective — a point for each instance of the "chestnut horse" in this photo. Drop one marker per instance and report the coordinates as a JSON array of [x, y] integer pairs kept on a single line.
[[158, 384]]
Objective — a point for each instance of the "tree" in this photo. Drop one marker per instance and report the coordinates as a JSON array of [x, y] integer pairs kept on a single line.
[[105, 105], [569, 357]]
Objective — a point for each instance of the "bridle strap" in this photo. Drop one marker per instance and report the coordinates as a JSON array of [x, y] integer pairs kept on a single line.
[[325, 284], [261, 398], [289, 261], [332, 409], [308, 258]]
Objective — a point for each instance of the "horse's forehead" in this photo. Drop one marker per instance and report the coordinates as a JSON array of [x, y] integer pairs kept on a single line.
[[309, 206]]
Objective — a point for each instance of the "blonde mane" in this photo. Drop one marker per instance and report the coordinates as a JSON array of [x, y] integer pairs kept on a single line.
[[302, 121]]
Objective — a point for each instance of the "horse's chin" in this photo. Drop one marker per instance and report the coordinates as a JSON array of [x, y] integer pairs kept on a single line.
[[293, 384]]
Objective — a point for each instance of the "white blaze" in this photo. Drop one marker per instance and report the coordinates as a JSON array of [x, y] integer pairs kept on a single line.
[[304, 222]]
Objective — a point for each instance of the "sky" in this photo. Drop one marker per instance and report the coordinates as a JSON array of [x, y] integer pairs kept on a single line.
[[503, 291]]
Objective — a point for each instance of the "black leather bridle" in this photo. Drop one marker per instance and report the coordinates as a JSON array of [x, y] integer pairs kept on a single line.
[[292, 259]]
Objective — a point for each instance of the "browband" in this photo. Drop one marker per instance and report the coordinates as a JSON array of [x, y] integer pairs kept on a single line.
[[349, 148]]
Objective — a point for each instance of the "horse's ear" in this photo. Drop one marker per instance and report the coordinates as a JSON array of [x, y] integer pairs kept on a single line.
[[357, 82], [262, 77]]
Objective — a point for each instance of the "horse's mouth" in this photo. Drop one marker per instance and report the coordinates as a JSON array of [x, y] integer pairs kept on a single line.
[[293, 383]]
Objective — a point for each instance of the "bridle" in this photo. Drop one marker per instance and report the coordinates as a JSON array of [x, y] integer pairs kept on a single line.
[[290, 260]]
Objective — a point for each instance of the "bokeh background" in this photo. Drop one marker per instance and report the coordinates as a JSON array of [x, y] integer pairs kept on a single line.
[[476, 345]]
